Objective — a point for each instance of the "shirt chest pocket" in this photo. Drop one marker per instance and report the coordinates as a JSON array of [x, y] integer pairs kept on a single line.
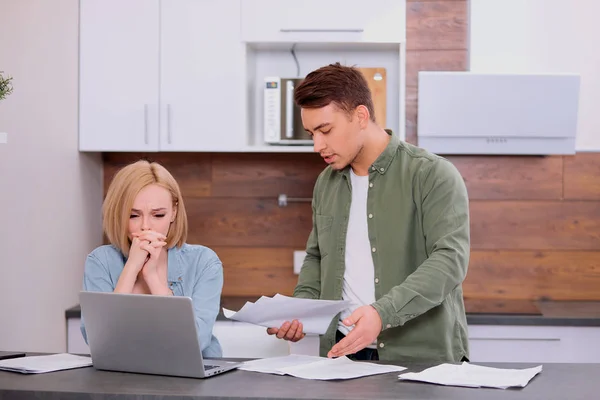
[[324, 234]]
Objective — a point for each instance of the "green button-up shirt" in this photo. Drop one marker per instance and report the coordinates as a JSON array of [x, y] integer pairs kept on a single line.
[[420, 243]]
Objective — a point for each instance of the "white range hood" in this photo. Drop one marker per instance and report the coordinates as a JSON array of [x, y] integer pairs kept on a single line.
[[496, 113]]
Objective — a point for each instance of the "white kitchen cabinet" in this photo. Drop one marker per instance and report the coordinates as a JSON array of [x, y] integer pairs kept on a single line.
[[161, 75], [243, 340], [119, 75], [75, 342], [500, 343], [536, 344], [344, 21]]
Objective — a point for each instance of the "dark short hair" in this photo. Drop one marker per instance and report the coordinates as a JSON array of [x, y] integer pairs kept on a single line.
[[344, 86]]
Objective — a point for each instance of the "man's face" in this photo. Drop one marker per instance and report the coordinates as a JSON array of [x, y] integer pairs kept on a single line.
[[337, 136]]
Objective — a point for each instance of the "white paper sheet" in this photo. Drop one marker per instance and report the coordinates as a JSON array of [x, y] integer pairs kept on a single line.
[[469, 375], [315, 315], [318, 368], [42, 364]]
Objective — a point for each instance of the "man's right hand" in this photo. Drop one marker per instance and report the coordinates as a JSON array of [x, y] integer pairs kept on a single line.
[[288, 331]]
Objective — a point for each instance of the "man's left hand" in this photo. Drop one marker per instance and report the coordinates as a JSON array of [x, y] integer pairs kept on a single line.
[[367, 327]]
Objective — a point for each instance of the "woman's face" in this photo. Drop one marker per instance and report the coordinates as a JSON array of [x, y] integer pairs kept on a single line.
[[153, 210]]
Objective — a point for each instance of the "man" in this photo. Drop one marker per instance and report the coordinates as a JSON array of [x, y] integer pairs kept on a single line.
[[390, 232]]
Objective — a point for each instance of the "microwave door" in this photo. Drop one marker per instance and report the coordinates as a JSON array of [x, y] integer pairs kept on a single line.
[[289, 109]]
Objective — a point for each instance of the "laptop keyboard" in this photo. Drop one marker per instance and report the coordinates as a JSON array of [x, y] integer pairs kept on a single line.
[[208, 367]]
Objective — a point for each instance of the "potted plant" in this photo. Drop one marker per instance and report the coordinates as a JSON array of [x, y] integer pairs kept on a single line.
[[5, 86]]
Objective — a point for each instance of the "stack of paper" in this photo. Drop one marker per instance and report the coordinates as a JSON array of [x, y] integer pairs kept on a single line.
[[319, 368], [469, 375], [42, 364], [315, 315]]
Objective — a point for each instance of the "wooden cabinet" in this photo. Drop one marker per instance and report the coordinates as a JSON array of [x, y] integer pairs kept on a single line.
[[346, 21], [161, 75]]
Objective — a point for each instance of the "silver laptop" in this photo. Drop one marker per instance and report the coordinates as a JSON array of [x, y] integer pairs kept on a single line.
[[146, 334]]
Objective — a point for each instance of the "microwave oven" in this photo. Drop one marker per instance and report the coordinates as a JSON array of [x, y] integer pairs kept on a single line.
[[282, 121]]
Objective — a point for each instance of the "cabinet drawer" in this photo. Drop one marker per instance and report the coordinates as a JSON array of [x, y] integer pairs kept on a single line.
[[346, 21]]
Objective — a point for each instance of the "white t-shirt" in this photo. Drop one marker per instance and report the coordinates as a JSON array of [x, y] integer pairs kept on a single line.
[[359, 275]]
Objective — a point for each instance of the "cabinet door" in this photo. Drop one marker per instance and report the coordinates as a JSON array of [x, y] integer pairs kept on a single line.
[[119, 60], [202, 76], [352, 21]]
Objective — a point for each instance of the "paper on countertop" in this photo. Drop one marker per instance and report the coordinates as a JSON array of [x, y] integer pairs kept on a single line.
[[42, 364], [315, 315], [317, 368], [469, 375]]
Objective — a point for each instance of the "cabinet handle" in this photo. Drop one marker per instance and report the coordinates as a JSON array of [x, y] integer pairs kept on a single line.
[[169, 123], [518, 339], [146, 123], [324, 30]]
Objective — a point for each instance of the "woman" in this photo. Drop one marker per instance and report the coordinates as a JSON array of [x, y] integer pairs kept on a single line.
[[145, 221]]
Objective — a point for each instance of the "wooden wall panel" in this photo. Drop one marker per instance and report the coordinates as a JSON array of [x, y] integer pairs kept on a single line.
[[411, 115], [265, 175], [248, 222], [511, 177], [582, 176], [433, 60], [258, 270], [535, 225], [437, 25], [193, 171], [530, 275]]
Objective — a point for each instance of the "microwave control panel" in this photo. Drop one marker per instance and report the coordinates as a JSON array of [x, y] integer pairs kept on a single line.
[[272, 109]]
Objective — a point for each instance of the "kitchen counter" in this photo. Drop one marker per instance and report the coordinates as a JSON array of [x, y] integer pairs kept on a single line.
[[556, 381], [482, 311]]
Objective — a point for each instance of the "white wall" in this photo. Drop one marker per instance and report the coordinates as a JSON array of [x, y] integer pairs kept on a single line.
[[50, 194], [554, 36]]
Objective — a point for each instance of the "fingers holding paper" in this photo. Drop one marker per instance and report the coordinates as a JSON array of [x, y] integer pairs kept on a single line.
[[367, 326], [292, 331]]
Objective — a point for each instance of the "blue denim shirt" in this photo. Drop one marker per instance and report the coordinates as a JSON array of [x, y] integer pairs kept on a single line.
[[194, 271]]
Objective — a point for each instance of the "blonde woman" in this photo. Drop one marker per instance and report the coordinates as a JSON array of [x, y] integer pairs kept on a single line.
[[144, 219]]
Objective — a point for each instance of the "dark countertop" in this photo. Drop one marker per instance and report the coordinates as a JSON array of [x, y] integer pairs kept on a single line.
[[481, 311], [556, 381]]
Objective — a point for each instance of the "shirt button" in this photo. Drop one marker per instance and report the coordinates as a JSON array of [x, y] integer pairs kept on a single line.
[[373, 168], [381, 345], [382, 169], [373, 249], [370, 215], [371, 184], [376, 280], [388, 326]]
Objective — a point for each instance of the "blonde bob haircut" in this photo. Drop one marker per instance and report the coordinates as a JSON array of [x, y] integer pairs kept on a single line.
[[125, 186]]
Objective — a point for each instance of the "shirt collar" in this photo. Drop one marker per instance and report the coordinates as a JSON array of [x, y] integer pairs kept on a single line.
[[382, 163]]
